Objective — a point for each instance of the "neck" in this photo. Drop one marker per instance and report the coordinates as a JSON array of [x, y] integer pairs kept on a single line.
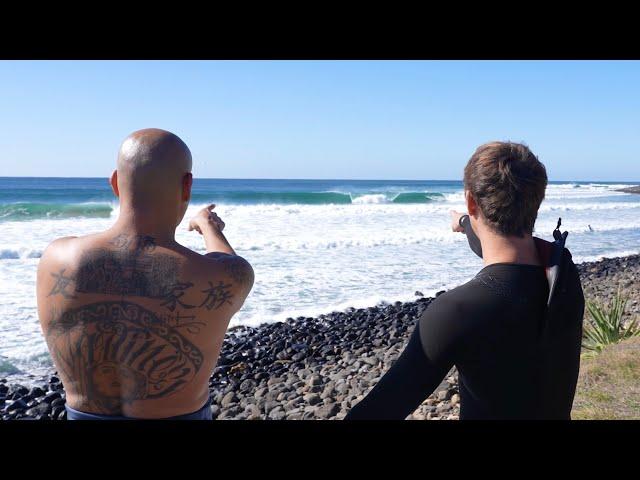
[[500, 249], [144, 221]]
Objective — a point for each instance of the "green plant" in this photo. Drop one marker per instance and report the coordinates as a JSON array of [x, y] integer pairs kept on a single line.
[[606, 326]]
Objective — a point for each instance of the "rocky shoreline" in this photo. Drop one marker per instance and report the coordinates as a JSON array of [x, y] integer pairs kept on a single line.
[[318, 368]]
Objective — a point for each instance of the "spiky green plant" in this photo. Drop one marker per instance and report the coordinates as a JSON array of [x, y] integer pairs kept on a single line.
[[606, 326]]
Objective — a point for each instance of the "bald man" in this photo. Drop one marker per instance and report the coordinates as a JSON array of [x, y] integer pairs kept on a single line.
[[135, 321]]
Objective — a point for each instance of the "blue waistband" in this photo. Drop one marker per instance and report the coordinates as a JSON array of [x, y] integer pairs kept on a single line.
[[203, 414]]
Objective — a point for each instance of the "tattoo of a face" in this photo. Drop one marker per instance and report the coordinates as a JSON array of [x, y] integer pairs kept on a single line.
[[119, 352], [217, 295], [62, 283]]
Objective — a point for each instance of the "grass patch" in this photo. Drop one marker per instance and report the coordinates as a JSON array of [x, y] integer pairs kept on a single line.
[[609, 383], [605, 325]]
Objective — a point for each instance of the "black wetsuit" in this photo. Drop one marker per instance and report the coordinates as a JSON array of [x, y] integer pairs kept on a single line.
[[517, 351]]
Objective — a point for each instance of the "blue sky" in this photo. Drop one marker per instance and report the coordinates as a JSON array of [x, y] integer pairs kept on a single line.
[[321, 119]]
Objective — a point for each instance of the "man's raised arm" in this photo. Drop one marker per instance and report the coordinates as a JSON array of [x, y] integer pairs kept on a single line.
[[207, 223]]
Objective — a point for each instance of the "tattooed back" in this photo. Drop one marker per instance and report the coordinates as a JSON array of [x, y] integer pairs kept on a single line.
[[135, 325]]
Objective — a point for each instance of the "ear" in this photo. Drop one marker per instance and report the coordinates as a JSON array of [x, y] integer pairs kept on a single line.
[[113, 181], [187, 183], [472, 206]]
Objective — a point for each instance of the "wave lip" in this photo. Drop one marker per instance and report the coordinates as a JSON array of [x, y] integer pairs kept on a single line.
[[286, 198], [32, 211], [417, 197], [319, 198]]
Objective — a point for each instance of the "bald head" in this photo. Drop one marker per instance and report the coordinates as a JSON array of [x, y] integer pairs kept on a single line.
[[152, 162], [154, 168], [153, 152]]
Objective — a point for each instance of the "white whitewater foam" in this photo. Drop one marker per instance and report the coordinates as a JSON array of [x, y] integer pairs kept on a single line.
[[373, 198]]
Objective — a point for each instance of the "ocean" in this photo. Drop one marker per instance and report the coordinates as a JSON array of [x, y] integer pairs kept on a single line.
[[316, 245]]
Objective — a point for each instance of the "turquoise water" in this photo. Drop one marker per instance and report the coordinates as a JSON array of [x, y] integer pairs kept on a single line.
[[32, 198]]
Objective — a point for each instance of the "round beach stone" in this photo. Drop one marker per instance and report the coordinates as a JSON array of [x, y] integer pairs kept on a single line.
[[36, 392], [443, 395], [312, 398], [328, 410], [314, 380], [17, 405], [247, 385], [229, 399], [277, 414]]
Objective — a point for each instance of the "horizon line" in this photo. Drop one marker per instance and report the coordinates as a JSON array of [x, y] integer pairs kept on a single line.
[[324, 179]]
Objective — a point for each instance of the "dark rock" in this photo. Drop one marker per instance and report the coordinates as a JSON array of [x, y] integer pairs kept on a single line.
[[247, 385], [51, 396], [328, 391], [36, 392], [308, 415], [22, 391], [252, 412], [261, 392], [274, 381], [299, 356], [283, 355], [270, 405], [328, 410], [277, 414], [55, 412], [19, 405], [314, 380], [41, 409], [229, 399], [373, 361], [312, 399], [443, 394]]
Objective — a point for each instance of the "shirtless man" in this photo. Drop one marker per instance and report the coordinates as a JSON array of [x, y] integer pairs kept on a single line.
[[135, 321]]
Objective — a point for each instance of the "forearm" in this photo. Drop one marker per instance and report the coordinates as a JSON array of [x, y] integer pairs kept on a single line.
[[472, 238], [215, 241]]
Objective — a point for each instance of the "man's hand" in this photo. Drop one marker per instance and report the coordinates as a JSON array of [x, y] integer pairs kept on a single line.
[[208, 224], [455, 221], [206, 218]]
